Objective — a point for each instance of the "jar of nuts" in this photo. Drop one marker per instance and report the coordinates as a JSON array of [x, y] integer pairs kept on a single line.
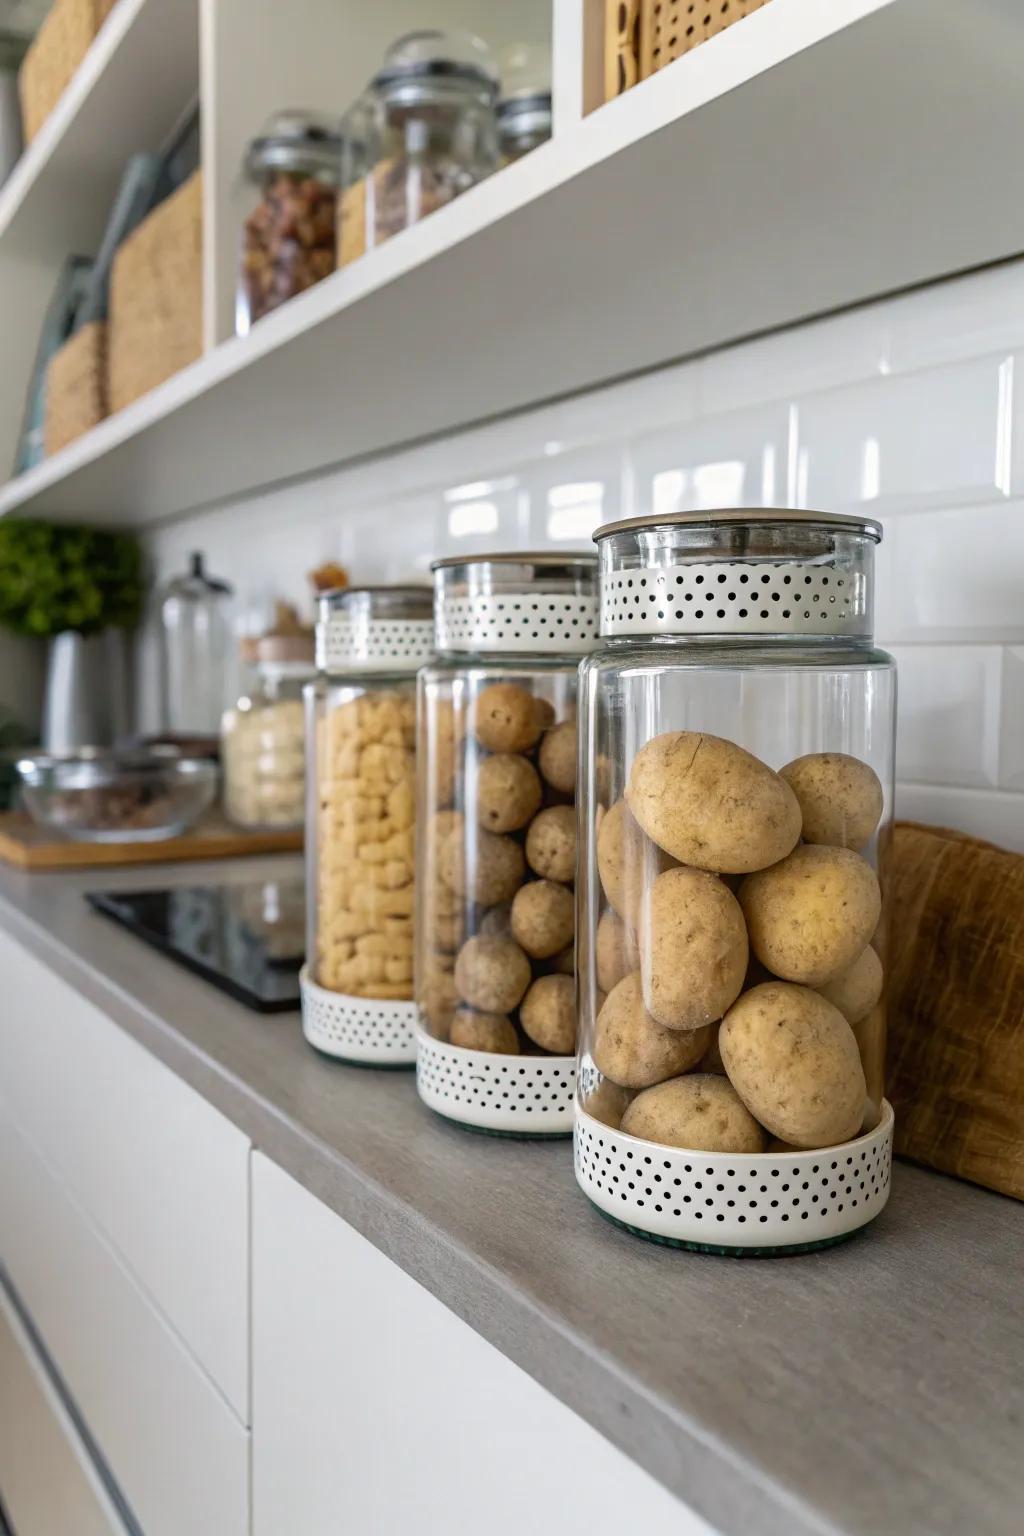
[[496, 856], [288, 241], [737, 731], [357, 990]]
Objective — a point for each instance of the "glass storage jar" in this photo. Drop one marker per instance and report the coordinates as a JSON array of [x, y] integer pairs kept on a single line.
[[288, 241], [524, 108], [357, 990], [437, 133], [195, 652], [263, 740], [358, 144], [496, 856], [737, 731]]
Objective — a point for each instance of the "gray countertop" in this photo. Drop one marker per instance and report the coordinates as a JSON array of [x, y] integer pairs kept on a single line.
[[876, 1389]]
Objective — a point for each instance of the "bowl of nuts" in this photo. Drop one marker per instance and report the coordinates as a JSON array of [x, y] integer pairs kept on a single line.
[[104, 796]]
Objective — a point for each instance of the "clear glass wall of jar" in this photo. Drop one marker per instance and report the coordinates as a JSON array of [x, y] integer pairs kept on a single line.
[[496, 857], [357, 986], [263, 740], [737, 727]]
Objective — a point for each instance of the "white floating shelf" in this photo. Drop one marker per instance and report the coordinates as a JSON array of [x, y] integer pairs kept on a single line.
[[810, 157]]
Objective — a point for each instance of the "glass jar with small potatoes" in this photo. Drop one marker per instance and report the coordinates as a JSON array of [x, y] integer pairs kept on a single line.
[[737, 739]]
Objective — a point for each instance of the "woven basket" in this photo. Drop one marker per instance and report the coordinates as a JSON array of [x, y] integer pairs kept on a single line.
[[156, 297], [642, 36], [76, 386], [60, 45]]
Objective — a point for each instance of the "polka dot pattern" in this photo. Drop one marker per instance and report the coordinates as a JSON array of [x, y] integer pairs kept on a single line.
[[556, 623], [380, 645], [737, 597], [522, 1095], [358, 1029]]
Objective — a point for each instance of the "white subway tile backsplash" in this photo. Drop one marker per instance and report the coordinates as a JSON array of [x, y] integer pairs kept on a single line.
[[1011, 723], [986, 813], [572, 494], [952, 574], [948, 714], [740, 459], [783, 366], [966, 317]]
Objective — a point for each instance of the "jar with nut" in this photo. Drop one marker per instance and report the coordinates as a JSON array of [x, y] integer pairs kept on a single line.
[[263, 739], [496, 859], [737, 735], [357, 986]]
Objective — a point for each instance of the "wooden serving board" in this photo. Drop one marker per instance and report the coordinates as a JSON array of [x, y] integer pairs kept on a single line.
[[29, 846]]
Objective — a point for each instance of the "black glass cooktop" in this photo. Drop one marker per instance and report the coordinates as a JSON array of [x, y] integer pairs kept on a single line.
[[248, 940]]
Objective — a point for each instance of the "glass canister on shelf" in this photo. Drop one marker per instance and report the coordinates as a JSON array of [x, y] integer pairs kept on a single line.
[[357, 984], [263, 739], [524, 107], [358, 148], [288, 241], [195, 651], [434, 98], [737, 727], [496, 857]]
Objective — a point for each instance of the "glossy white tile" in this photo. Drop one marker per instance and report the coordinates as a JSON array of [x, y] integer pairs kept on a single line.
[[952, 574], [995, 816], [965, 317], [1011, 721], [948, 714], [741, 459], [843, 350]]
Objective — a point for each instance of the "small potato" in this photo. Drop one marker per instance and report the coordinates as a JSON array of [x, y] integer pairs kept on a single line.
[[627, 861], [551, 843], [564, 963], [543, 918], [840, 798], [508, 792], [489, 871], [506, 718], [491, 974], [710, 804], [711, 1061], [634, 1051], [693, 949], [615, 950], [607, 1102], [811, 915], [484, 1032], [701, 1111], [548, 1014], [793, 1060], [557, 757], [497, 922], [857, 989]]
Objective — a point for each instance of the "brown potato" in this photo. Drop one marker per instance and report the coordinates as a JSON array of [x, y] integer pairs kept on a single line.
[[548, 1014], [840, 798], [856, 990], [491, 974], [506, 718], [634, 1051], [812, 914], [615, 950], [543, 918], [557, 757], [508, 792], [484, 1032], [693, 949], [710, 804], [711, 1061], [607, 1102], [701, 1111], [492, 872], [497, 922], [793, 1060], [564, 963], [627, 861], [551, 843]]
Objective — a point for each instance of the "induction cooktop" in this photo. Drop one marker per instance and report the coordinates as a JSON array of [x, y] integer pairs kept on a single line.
[[249, 940]]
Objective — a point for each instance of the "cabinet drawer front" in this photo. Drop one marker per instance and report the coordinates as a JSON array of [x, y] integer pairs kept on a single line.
[[174, 1447], [49, 1484], [162, 1174]]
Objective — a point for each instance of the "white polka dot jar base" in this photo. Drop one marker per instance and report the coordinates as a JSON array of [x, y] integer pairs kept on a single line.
[[724, 1202], [506, 1095], [360, 1030]]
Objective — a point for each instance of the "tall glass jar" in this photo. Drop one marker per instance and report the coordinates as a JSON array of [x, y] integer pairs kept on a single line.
[[496, 856], [263, 740], [737, 734], [435, 95], [357, 989], [195, 651]]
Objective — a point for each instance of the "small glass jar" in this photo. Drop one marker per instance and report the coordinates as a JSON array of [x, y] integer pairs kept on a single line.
[[288, 241], [357, 988], [358, 143], [737, 728], [435, 96], [263, 740], [496, 856]]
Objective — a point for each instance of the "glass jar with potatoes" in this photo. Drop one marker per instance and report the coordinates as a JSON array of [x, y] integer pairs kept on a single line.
[[496, 857], [737, 740]]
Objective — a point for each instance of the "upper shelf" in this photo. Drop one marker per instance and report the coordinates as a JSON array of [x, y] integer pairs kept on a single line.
[[811, 157]]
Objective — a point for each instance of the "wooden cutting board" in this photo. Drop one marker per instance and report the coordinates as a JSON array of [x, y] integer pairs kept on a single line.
[[32, 847]]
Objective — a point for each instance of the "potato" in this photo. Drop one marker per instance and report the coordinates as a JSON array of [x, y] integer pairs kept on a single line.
[[710, 804], [811, 915], [634, 1051], [615, 950], [627, 861], [543, 918], [693, 949], [793, 1060], [506, 718], [548, 1014], [607, 1102], [711, 1061], [484, 1032], [557, 757], [701, 1112], [551, 843], [489, 871], [491, 974], [840, 798], [496, 923], [564, 963], [508, 792], [856, 990]]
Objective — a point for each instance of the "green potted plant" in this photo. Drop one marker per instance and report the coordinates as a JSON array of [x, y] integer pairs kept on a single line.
[[81, 590]]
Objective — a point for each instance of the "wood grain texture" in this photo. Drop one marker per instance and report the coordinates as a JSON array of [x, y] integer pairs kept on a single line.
[[29, 846]]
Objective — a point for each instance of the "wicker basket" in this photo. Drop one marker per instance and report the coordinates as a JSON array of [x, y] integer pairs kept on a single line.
[[642, 36], [60, 45], [156, 297], [76, 386]]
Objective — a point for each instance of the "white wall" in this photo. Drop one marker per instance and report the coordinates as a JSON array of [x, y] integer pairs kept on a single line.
[[911, 409]]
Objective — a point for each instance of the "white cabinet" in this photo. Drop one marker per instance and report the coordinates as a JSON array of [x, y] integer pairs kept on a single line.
[[377, 1412]]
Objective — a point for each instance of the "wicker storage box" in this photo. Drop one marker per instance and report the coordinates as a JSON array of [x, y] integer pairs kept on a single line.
[[60, 45], [642, 36], [156, 297], [76, 386]]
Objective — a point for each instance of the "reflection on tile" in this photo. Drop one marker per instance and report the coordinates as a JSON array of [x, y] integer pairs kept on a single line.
[[949, 701], [480, 515], [572, 494], [951, 574], [735, 460], [1011, 726]]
